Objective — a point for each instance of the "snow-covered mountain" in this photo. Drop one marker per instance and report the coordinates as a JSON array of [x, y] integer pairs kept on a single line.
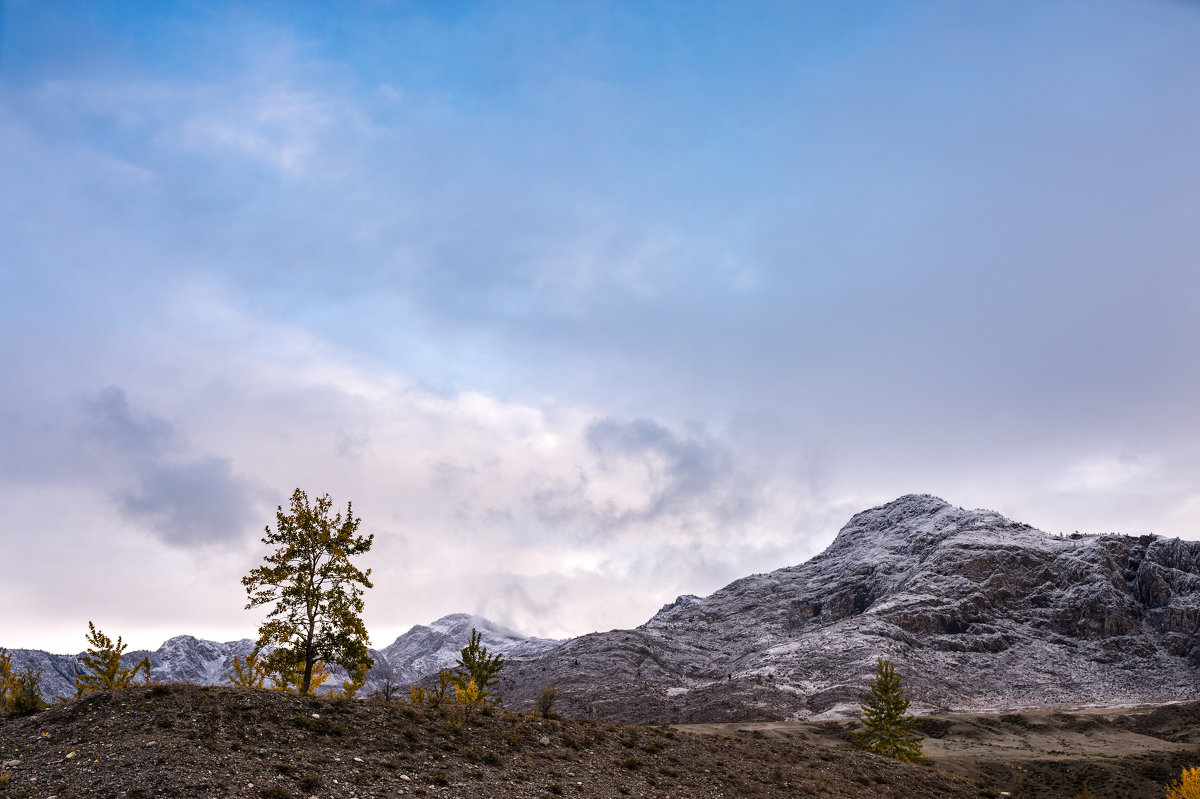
[[425, 650], [415, 654], [977, 612]]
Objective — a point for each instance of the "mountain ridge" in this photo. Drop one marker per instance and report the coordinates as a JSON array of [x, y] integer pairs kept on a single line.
[[978, 612], [187, 659]]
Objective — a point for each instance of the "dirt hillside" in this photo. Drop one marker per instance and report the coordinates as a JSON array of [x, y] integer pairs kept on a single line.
[[191, 741]]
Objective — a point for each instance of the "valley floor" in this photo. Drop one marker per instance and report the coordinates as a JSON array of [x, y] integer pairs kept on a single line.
[[1121, 753]]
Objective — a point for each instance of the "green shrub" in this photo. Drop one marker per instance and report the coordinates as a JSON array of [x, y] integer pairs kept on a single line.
[[20, 692], [103, 661], [545, 702], [888, 729], [25, 693]]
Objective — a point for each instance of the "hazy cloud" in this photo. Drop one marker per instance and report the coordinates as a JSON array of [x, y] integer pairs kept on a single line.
[[682, 473], [185, 501], [112, 423], [194, 503]]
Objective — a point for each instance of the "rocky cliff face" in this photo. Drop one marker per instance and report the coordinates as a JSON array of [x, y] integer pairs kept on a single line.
[[415, 654], [977, 611]]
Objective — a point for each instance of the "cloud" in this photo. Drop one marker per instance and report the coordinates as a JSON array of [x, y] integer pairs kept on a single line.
[[682, 473], [185, 501], [193, 503], [1107, 473], [111, 421]]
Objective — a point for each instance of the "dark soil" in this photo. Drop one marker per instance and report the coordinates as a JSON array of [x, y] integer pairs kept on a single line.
[[190, 741]]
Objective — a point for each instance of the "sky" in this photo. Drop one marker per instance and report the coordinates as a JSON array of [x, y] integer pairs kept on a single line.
[[583, 305]]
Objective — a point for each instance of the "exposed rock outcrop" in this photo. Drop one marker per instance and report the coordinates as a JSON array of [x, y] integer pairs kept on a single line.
[[977, 611]]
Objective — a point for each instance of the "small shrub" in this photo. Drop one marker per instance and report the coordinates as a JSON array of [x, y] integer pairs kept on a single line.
[[476, 664], [1187, 786], [4, 778], [25, 693], [249, 671], [545, 702], [275, 792], [494, 760], [440, 779], [554, 788], [633, 762], [103, 661]]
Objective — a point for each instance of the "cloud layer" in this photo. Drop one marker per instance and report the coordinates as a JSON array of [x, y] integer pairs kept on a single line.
[[582, 307]]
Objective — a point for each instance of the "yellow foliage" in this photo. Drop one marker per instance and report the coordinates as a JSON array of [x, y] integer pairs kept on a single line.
[[249, 672], [350, 687], [8, 679], [468, 695], [1187, 786], [416, 695], [442, 693], [290, 676], [103, 659], [6, 672]]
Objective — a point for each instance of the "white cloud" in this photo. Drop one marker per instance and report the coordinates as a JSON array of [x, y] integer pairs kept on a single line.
[[1105, 473], [477, 503]]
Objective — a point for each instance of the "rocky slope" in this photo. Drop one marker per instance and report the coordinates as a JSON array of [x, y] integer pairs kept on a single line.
[[190, 741], [977, 611], [421, 651]]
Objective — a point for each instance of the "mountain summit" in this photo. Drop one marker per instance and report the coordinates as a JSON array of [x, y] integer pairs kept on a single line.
[[978, 612]]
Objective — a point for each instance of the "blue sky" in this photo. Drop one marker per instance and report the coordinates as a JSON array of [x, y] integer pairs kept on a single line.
[[584, 305]]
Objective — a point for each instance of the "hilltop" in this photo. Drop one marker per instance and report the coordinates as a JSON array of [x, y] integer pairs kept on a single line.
[[204, 741]]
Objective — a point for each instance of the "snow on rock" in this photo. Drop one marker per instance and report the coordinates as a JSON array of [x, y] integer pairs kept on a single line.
[[977, 611], [425, 650], [419, 652]]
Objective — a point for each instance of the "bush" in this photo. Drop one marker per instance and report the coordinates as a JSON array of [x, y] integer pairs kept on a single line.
[[1187, 786], [103, 660], [25, 693], [20, 692], [545, 702], [476, 664]]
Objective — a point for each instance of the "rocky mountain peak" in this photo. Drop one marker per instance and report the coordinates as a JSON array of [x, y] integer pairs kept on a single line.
[[977, 611]]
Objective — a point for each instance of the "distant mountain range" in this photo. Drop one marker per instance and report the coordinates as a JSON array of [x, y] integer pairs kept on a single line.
[[977, 612], [421, 651]]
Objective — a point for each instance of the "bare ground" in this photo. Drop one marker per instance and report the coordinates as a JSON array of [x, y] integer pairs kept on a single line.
[[191, 741], [1121, 753]]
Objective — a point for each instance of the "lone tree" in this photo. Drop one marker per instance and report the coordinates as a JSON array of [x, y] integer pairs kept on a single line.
[[476, 664], [888, 727], [316, 594]]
